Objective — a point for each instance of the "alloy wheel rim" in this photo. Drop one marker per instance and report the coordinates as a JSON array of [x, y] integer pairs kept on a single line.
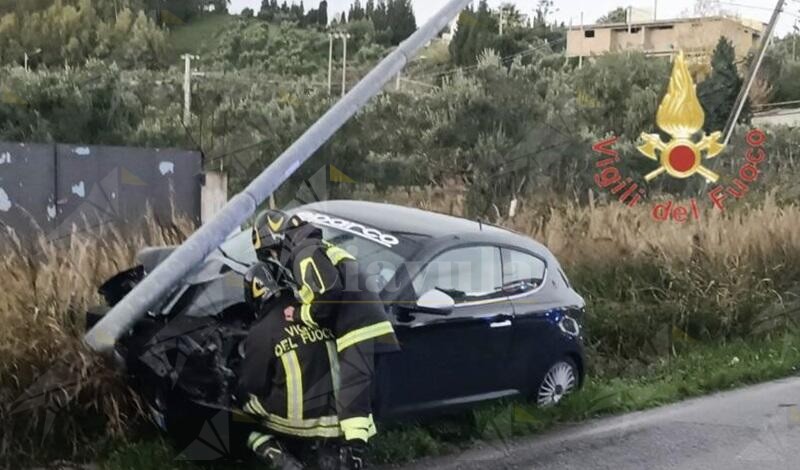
[[557, 383]]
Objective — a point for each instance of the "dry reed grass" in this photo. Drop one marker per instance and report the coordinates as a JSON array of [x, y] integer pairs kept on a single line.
[[55, 395], [580, 234]]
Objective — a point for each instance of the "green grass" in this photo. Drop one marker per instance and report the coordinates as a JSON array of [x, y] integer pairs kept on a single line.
[[151, 455], [693, 372], [192, 37]]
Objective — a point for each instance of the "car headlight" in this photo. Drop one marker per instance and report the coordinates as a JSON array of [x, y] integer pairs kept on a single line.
[[570, 326]]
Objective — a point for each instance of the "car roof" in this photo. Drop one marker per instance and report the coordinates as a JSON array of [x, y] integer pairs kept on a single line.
[[399, 219], [405, 220]]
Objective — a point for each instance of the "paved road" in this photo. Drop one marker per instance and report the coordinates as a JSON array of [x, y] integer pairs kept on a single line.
[[752, 428]]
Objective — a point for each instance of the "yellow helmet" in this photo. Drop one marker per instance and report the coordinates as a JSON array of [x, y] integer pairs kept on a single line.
[[259, 286], [269, 231]]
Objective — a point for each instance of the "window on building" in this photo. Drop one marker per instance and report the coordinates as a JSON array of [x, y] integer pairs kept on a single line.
[[625, 30], [589, 33]]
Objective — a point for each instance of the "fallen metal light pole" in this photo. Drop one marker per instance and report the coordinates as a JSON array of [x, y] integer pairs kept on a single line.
[[195, 249]]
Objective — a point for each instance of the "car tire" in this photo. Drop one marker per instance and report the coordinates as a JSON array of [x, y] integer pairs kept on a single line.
[[560, 380]]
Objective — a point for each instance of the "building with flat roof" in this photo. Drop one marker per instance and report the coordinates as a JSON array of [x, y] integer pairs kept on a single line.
[[777, 117], [695, 36]]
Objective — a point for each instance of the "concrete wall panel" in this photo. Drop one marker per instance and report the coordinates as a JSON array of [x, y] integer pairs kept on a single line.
[[66, 188], [27, 192]]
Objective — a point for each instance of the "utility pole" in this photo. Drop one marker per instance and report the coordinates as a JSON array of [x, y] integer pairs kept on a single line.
[[330, 62], [566, 57], [655, 10], [187, 88], [629, 18], [502, 19], [345, 37], [751, 76], [583, 36]]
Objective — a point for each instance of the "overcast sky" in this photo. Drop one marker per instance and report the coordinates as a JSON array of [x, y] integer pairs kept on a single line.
[[571, 9]]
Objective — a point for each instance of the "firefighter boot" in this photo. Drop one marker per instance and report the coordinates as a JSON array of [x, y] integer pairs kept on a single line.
[[351, 456], [270, 452]]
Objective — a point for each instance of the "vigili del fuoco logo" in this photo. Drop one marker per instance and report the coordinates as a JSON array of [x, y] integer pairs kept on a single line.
[[682, 156]]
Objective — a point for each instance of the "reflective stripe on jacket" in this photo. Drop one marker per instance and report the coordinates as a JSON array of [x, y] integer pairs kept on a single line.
[[289, 377], [333, 293]]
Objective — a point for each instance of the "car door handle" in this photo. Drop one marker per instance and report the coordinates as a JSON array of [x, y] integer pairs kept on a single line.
[[500, 324]]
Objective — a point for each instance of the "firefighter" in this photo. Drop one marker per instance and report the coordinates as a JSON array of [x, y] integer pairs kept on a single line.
[[286, 382], [332, 293]]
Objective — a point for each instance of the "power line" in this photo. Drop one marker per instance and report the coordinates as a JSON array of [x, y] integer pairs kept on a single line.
[[743, 5], [757, 7], [414, 81], [407, 80], [239, 150], [476, 66], [222, 75]]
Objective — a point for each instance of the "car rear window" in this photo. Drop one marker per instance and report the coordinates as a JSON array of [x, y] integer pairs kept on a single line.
[[522, 271]]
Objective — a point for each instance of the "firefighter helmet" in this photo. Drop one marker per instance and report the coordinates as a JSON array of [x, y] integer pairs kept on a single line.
[[259, 286], [269, 231]]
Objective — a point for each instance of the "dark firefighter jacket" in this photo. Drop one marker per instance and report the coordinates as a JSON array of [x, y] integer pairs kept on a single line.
[[333, 293], [288, 375]]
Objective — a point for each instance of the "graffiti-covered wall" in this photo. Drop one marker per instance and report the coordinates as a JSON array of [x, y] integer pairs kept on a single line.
[[51, 190]]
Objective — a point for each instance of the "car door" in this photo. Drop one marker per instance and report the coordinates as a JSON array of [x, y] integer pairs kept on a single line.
[[459, 357], [525, 278]]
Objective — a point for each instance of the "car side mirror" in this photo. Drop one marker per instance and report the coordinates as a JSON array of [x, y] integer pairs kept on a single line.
[[435, 302]]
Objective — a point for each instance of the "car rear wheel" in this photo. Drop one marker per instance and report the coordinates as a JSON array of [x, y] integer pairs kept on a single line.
[[558, 382]]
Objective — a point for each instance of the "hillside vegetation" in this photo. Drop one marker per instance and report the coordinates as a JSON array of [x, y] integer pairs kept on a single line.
[[198, 35], [70, 32]]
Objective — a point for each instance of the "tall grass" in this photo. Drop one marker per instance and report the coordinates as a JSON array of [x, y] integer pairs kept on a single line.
[[654, 287], [56, 397], [652, 290]]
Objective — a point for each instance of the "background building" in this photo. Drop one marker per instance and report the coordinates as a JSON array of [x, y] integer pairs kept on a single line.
[[695, 36], [777, 117]]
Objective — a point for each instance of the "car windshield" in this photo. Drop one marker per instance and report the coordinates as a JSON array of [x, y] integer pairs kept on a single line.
[[374, 258], [239, 247]]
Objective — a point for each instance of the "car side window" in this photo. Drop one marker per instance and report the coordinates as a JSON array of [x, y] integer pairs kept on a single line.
[[466, 274], [522, 272]]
